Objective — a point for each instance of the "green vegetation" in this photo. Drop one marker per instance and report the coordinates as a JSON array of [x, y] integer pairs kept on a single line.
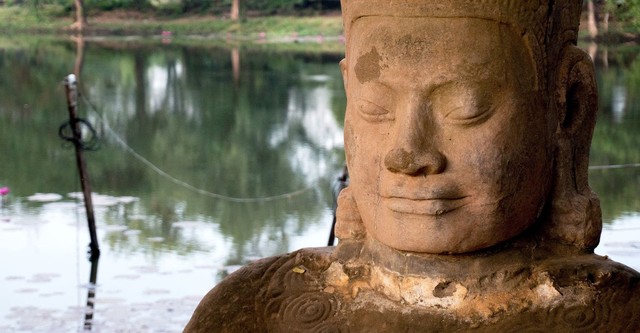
[[274, 26], [625, 11], [53, 19], [611, 21], [276, 18], [46, 18], [264, 7]]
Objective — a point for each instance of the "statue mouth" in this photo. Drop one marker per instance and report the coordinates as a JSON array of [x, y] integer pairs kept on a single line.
[[428, 207], [433, 198]]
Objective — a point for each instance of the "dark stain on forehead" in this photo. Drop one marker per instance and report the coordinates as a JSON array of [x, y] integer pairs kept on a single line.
[[368, 66]]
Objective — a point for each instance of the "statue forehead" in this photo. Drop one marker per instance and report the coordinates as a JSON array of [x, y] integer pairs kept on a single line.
[[545, 26], [418, 37], [451, 48]]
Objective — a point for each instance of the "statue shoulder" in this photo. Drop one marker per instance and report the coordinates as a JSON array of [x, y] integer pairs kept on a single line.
[[238, 303], [598, 294], [598, 272]]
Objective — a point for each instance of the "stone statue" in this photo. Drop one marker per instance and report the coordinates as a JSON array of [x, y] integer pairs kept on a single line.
[[467, 136]]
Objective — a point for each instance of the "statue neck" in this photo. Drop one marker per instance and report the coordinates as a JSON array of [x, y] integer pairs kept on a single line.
[[505, 256]]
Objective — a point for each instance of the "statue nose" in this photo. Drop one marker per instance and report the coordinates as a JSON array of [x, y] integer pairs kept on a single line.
[[414, 148], [425, 162]]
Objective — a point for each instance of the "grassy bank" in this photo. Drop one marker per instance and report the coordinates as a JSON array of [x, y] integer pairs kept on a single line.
[[51, 20]]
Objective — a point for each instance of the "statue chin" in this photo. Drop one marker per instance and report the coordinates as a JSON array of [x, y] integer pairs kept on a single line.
[[449, 233]]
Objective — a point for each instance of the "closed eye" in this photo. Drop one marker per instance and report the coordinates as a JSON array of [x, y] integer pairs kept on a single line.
[[468, 115], [373, 112]]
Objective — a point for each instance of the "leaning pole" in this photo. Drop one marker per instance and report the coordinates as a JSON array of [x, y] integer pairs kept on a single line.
[[71, 89]]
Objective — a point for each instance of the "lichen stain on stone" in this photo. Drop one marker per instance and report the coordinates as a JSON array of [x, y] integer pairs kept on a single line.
[[368, 66], [335, 275], [418, 291], [546, 292]]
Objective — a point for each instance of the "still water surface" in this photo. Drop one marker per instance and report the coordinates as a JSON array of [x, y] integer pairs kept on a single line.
[[239, 122]]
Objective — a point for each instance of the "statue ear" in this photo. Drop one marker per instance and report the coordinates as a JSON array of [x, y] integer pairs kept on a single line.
[[577, 105], [343, 69], [575, 212], [349, 225]]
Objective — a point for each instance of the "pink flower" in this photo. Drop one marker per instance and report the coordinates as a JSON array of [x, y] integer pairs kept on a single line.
[[4, 191]]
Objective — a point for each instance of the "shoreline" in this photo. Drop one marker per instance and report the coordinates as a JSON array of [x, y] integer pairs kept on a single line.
[[18, 21]]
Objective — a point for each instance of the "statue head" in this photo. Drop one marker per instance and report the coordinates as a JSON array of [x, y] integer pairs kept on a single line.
[[468, 124]]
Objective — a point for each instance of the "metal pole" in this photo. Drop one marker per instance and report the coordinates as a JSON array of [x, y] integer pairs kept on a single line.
[[71, 88], [343, 181], [91, 295]]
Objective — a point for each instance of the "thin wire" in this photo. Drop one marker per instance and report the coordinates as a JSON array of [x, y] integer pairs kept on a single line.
[[184, 184], [614, 166], [622, 229]]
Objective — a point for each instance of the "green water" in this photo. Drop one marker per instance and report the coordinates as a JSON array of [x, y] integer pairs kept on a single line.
[[273, 129], [182, 127]]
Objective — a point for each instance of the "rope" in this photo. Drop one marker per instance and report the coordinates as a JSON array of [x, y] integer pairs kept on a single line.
[[65, 132], [179, 182]]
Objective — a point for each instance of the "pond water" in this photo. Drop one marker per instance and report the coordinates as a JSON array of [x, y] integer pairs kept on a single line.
[[211, 156]]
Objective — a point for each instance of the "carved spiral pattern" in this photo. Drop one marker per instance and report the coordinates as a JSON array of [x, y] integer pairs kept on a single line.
[[591, 317], [581, 318], [307, 310], [272, 307]]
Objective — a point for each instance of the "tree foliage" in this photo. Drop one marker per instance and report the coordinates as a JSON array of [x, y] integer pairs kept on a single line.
[[193, 6], [626, 11]]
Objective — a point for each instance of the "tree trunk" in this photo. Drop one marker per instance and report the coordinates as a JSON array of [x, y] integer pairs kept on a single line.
[[81, 16], [235, 10], [77, 67], [235, 65], [591, 20]]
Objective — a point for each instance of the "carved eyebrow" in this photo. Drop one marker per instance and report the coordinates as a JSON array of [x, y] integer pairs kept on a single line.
[[378, 87], [452, 79]]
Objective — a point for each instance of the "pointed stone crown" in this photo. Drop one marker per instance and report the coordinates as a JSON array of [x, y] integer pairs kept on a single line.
[[527, 15], [541, 22]]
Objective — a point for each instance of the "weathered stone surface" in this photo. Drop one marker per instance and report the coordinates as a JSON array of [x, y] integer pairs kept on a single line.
[[467, 136], [353, 292]]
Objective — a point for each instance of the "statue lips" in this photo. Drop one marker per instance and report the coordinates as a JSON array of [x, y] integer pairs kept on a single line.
[[432, 203]]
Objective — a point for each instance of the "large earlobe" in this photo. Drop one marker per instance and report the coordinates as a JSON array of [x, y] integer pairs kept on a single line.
[[349, 225], [343, 70], [576, 217]]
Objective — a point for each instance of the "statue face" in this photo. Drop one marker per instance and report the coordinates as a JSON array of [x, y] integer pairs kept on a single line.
[[449, 145]]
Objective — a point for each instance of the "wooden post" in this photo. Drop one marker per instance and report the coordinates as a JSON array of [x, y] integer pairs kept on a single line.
[[71, 88]]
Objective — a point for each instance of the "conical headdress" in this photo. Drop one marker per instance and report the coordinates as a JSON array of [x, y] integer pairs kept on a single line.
[[541, 23]]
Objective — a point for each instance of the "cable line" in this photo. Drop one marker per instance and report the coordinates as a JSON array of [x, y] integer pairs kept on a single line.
[[179, 182], [614, 166]]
